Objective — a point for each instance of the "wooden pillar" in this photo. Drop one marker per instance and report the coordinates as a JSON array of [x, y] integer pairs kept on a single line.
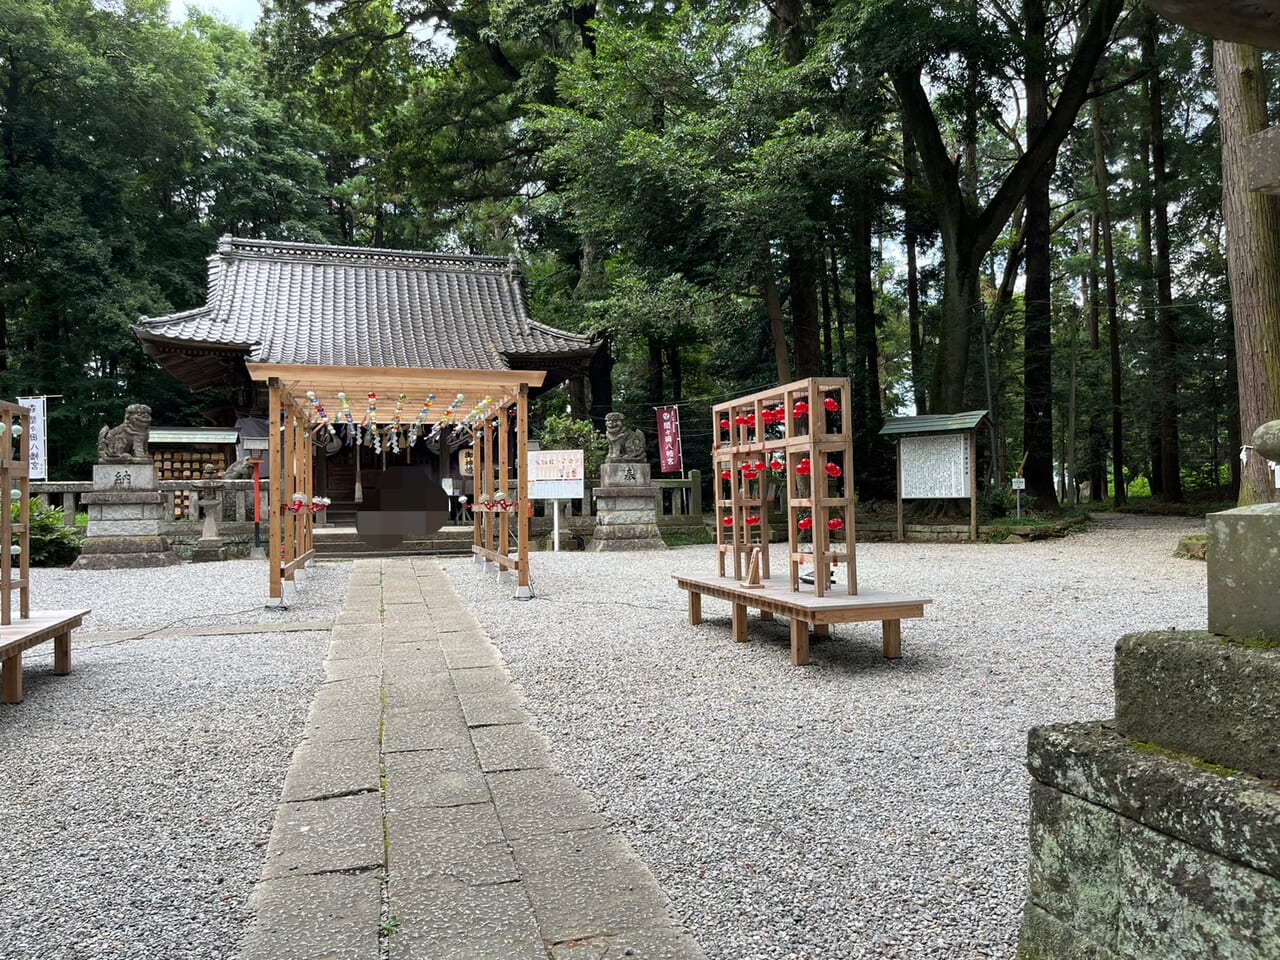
[[275, 484], [799, 642], [62, 653], [522, 485], [477, 488], [504, 473], [12, 679], [902, 529], [24, 518], [973, 485], [290, 485], [850, 514]]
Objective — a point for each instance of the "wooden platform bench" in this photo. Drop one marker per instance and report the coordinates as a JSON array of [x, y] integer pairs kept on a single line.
[[806, 612], [21, 635]]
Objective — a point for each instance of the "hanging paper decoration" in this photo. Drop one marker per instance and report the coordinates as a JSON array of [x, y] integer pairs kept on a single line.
[[831, 404], [834, 471], [776, 465], [805, 523], [371, 416], [726, 474], [724, 424], [804, 468], [352, 431], [16, 430], [753, 520], [801, 409], [835, 523], [728, 521]]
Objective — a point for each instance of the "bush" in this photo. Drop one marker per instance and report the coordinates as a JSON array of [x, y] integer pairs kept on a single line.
[[997, 502], [562, 432], [53, 543]]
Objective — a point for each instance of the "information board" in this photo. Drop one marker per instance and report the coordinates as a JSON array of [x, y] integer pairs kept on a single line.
[[39, 457], [935, 467], [556, 474]]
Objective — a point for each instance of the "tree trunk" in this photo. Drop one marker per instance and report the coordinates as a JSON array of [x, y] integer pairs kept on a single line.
[[1037, 351], [1120, 494], [677, 372], [866, 366], [1146, 275], [655, 384], [1097, 433], [600, 373], [828, 354], [835, 293], [1170, 465], [959, 300], [913, 274], [777, 332], [804, 314], [1253, 255]]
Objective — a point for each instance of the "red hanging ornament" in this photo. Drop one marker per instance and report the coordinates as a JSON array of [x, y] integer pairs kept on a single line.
[[835, 523], [802, 409], [751, 421], [805, 523], [804, 467], [740, 421], [776, 465], [753, 520], [749, 475], [831, 404], [726, 474], [834, 471], [724, 424], [728, 521]]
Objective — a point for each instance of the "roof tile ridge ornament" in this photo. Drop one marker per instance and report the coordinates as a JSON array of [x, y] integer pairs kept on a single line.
[[316, 253]]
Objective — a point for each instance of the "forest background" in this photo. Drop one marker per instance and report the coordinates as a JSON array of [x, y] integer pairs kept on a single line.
[[960, 204]]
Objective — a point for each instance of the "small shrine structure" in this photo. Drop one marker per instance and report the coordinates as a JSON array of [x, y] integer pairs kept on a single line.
[[801, 433], [30, 629], [391, 405]]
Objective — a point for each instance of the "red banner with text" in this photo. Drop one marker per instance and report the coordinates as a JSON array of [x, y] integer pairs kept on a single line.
[[670, 456]]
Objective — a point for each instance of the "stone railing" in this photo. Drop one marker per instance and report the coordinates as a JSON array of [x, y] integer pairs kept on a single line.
[[181, 498], [678, 502]]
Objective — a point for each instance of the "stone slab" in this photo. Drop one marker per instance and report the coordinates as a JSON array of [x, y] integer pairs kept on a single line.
[[1198, 694], [324, 836], [1244, 569], [347, 646], [485, 708], [1237, 818], [514, 746], [444, 919], [330, 917], [339, 720], [119, 545], [470, 651], [654, 943], [531, 803], [124, 528], [587, 884], [320, 770], [1045, 937], [411, 730], [420, 690], [625, 475], [462, 843], [433, 778]]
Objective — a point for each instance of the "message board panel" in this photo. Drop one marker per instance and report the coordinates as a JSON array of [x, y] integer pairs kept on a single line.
[[936, 467], [556, 474]]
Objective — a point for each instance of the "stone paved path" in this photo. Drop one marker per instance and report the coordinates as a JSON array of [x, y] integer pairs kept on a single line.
[[421, 817]]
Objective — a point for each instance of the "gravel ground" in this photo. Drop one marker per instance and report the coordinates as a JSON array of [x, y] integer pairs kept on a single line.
[[857, 807], [137, 793]]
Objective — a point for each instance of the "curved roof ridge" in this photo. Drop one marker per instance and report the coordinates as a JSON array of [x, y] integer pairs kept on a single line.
[[242, 248]]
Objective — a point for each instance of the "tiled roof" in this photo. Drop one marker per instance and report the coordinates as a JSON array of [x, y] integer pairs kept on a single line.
[[348, 306], [933, 423]]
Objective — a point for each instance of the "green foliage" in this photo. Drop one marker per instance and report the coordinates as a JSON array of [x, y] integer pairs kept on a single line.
[[562, 432], [53, 543]]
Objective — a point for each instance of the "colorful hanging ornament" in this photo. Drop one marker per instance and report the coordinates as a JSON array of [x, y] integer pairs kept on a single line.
[[16, 430], [804, 467], [753, 520], [728, 521], [834, 471], [776, 465], [805, 523], [801, 409], [726, 474], [835, 523], [724, 424], [831, 404]]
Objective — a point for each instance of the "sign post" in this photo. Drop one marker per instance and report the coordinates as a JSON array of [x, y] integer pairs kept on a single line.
[[556, 475], [1019, 484], [39, 453]]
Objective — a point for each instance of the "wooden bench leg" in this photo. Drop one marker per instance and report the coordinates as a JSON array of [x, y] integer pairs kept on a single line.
[[12, 680], [799, 642], [740, 622], [893, 639], [822, 629], [62, 654], [695, 608], [766, 614]]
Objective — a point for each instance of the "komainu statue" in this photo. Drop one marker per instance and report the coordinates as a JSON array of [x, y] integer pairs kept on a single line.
[[241, 469], [625, 445], [126, 443]]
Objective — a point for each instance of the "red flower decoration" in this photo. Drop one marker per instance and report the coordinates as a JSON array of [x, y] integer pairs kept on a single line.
[[749, 475], [831, 404], [750, 421], [802, 409], [740, 421], [728, 521], [835, 523], [726, 474], [724, 424], [805, 523], [776, 465], [834, 471], [804, 467], [753, 520]]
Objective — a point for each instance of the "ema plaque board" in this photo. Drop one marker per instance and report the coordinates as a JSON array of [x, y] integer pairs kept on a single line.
[[935, 467]]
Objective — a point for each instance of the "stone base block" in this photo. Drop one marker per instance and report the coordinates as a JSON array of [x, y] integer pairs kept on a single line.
[[1244, 568], [624, 475], [124, 476], [1140, 856], [626, 536], [110, 553], [124, 527], [1199, 694], [207, 551]]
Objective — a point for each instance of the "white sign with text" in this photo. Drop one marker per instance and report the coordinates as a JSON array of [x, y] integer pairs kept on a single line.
[[39, 457], [935, 467]]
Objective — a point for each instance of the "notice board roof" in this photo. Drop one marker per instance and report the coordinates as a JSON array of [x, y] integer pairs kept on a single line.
[[192, 435], [933, 423]]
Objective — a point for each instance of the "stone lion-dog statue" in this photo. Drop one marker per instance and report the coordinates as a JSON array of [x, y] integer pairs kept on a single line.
[[626, 445], [126, 443]]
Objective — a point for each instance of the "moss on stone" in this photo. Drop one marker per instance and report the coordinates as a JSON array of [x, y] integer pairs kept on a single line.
[[1143, 746]]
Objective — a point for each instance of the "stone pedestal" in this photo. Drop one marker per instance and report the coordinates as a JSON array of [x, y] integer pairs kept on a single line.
[[209, 547], [626, 515], [125, 514], [1244, 570]]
